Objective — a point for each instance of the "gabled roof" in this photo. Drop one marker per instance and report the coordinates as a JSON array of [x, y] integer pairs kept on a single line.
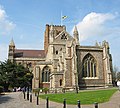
[[29, 53]]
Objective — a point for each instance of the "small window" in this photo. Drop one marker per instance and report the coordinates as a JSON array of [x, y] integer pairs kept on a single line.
[[20, 63], [10, 49], [57, 52], [60, 82], [29, 65], [10, 54], [60, 49], [64, 37]]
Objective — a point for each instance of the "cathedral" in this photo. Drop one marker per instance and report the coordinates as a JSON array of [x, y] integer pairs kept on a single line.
[[64, 62]]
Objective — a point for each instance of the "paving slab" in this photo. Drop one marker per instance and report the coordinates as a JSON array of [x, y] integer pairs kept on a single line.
[[16, 100]]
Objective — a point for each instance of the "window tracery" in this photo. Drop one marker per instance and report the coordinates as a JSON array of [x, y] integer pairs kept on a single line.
[[89, 66], [64, 37], [46, 74]]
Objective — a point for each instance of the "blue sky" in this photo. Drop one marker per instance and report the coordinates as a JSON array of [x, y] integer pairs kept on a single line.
[[25, 20]]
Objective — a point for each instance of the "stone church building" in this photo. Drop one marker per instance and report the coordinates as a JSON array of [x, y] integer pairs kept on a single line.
[[64, 63]]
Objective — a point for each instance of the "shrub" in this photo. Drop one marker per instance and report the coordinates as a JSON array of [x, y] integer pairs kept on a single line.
[[36, 91], [45, 90], [1, 89]]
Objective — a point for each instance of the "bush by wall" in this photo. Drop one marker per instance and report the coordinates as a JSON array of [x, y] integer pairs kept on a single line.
[[1, 89]]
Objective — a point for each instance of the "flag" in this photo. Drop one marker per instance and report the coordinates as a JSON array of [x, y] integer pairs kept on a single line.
[[64, 17]]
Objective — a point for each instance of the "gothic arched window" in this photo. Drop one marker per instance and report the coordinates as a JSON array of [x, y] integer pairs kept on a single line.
[[46, 74], [89, 66]]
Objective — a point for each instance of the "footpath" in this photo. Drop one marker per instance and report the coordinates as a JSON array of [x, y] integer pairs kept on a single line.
[[16, 100]]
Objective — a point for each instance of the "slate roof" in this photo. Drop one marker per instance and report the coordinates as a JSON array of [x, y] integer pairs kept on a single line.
[[29, 53]]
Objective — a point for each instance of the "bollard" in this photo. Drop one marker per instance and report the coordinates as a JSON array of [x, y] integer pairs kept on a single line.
[[27, 95], [96, 105], [47, 102], [64, 103], [79, 104], [24, 94], [30, 97], [37, 100]]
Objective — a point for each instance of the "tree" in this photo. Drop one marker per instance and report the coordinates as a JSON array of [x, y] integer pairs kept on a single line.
[[116, 75], [14, 75]]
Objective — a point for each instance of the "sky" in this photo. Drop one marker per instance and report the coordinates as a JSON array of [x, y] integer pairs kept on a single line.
[[25, 21]]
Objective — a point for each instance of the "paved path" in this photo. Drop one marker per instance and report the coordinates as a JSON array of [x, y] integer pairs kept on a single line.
[[15, 100]]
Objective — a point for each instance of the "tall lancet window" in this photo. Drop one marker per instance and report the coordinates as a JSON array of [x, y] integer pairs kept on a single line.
[[37, 73], [89, 66], [46, 74]]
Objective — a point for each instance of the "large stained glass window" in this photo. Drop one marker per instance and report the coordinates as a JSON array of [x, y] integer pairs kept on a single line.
[[89, 66]]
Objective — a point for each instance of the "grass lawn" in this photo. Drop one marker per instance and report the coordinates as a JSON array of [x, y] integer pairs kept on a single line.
[[85, 97]]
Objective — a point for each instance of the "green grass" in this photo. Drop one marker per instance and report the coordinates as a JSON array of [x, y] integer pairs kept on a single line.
[[85, 97]]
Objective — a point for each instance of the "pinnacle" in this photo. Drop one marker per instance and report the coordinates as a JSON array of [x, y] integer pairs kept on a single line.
[[12, 43]]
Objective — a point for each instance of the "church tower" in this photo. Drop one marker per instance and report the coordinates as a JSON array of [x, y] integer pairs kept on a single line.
[[11, 51]]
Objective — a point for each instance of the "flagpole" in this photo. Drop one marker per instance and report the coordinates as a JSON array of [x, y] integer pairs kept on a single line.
[[61, 19]]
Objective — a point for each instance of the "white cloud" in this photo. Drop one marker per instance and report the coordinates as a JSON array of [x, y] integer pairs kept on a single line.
[[93, 24], [3, 52], [5, 24], [2, 14]]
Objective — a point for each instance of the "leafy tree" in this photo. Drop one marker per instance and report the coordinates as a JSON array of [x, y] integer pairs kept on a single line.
[[14, 75], [116, 75]]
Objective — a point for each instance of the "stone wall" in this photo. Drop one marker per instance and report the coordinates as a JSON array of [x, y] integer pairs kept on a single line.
[[97, 53], [68, 73]]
